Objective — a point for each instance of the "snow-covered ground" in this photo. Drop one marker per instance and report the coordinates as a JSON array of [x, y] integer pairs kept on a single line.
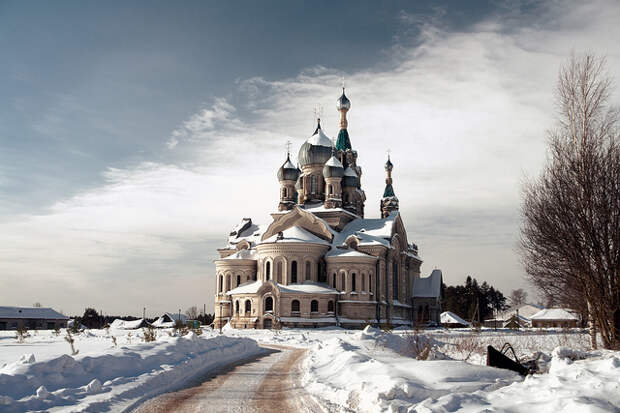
[[368, 370], [41, 373]]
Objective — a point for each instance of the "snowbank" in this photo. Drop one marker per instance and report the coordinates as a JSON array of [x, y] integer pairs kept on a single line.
[[116, 378]]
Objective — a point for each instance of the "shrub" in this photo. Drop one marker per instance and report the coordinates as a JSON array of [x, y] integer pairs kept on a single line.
[[149, 334], [69, 338], [21, 334]]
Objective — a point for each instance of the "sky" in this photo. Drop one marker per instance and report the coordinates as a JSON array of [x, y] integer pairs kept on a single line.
[[135, 135]]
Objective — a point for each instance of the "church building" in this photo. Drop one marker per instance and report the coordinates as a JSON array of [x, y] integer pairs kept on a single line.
[[320, 262]]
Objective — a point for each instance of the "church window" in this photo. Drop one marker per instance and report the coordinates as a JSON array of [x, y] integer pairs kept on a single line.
[[294, 272], [314, 306], [248, 307], [268, 271], [268, 304], [330, 306], [353, 282], [238, 280], [329, 189], [370, 283], [221, 283], [395, 280], [307, 270], [342, 283], [279, 272], [322, 276], [295, 306], [334, 281], [228, 282], [363, 282], [314, 185], [237, 307]]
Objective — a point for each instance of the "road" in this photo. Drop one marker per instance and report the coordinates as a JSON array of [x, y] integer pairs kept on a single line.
[[267, 383]]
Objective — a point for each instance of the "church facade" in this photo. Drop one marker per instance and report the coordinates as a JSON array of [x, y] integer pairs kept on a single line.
[[320, 262]]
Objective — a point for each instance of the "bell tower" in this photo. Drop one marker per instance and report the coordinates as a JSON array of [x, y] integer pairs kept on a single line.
[[389, 202]]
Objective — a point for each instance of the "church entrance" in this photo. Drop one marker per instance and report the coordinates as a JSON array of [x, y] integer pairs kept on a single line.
[[267, 323]]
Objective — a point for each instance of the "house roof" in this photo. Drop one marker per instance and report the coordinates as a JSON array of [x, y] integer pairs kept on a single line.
[[429, 286], [554, 314], [31, 312], [448, 317]]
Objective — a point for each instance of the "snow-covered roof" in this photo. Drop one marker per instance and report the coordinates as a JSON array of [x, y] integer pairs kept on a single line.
[[333, 161], [246, 230], [296, 234], [526, 311], [247, 288], [243, 255], [371, 230], [308, 287], [341, 252], [429, 286], [448, 317], [31, 312], [289, 164], [554, 314], [320, 207], [169, 319], [320, 139], [128, 325]]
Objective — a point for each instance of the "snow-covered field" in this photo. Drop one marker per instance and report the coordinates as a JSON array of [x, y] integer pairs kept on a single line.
[[368, 370]]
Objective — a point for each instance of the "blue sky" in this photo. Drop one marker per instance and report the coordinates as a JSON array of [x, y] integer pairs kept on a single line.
[[133, 135]]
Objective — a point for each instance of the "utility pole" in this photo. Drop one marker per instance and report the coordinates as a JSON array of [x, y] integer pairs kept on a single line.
[[144, 313]]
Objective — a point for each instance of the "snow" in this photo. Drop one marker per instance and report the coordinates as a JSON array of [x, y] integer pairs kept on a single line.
[[243, 255], [104, 377], [340, 252], [429, 286], [333, 161], [350, 172], [554, 314], [247, 288], [127, 325], [448, 317], [168, 320], [308, 287], [31, 312], [296, 234], [320, 139], [289, 165]]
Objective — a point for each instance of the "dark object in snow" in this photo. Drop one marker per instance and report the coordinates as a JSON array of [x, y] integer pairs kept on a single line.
[[499, 359]]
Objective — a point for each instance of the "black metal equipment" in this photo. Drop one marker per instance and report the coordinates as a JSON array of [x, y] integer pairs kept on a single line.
[[499, 359]]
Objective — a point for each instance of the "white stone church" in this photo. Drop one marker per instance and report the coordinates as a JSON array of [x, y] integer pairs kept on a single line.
[[320, 262]]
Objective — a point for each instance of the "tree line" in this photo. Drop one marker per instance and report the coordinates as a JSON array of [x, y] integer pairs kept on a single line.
[[472, 301]]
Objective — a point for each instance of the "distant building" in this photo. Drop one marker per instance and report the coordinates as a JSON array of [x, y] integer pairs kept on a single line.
[[555, 317], [427, 298], [32, 318], [451, 320], [514, 317], [168, 320]]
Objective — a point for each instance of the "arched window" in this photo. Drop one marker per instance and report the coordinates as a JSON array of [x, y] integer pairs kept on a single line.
[[314, 185], [395, 280], [369, 283], [329, 189], [268, 304], [363, 282], [247, 278], [330, 306], [420, 311], [353, 282], [237, 306], [307, 270], [334, 280], [248, 307], [268, 271], [314, 306], [295, 306], [221, 283], [238, 280], [294, 272], [228, 282], [343, 286], [322, 276], [279, 271]]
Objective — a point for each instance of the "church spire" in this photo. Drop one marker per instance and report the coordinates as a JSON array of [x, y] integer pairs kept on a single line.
[[389, 202], [343, 104]]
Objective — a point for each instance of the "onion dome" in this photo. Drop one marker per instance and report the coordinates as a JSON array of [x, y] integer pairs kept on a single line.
[[388, 165], [317, 149], [333, 168], [343, 103], [350, 178], [288, 171]]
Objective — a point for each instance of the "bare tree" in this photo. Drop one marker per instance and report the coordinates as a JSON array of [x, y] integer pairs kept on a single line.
[[570, 236], [518, 297], [192, 312], [37, 305]]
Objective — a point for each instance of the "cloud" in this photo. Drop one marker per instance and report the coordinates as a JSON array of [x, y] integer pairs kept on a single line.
[[464, 113]]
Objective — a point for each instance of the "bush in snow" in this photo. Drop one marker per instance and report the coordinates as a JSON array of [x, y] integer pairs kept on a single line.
[[21, 334], [113, 340], [69, 338], [149, 334], [57, 331]]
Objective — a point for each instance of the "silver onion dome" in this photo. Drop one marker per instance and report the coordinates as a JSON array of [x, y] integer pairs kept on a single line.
[[317, 149], [343, 103], [288, 171], [333, 168]]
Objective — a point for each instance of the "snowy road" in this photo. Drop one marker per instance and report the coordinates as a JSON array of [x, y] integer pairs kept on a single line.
[[267, 383]]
